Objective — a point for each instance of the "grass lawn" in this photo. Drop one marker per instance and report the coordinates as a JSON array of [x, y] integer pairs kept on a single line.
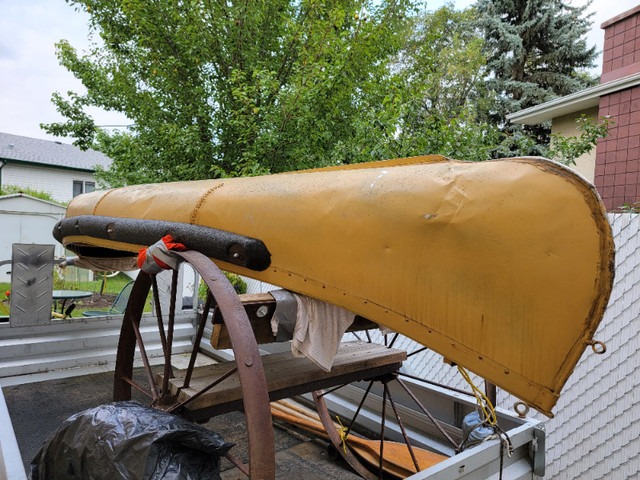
[[101, 301]]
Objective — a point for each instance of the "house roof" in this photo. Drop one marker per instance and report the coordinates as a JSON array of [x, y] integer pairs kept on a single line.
[[16, 148], [575, 102]]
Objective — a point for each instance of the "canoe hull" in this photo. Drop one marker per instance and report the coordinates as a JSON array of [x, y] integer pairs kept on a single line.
[[504, 267]]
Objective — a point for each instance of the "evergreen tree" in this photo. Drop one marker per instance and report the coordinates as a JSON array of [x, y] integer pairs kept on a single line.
[[535, 51]]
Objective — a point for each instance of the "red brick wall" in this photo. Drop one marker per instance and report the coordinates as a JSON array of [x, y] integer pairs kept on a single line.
[[621, 55], [617, 174], [617, 171]]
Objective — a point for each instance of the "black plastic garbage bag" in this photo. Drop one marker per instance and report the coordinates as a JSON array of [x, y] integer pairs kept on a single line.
[[125, 440]]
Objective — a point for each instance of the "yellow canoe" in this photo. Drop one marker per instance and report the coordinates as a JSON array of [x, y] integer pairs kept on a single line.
[[504, 267]]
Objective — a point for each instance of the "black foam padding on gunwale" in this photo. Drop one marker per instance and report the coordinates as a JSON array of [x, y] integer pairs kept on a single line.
[[221, 245]]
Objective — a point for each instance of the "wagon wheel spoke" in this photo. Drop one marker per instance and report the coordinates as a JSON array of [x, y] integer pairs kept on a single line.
[[201, 325], [145, 360], [161, 344], [377, 395], [355, 415], [139, 388], [156, 299], [401, 425], [382, 425], [336, 440], [129, 334], [201, 392], [167, 398], [428, 414]]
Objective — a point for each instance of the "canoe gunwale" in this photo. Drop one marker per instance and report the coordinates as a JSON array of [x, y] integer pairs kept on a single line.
[[240, 250]]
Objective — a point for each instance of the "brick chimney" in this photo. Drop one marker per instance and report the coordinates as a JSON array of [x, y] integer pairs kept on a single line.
[[621, 56], [617, 170]]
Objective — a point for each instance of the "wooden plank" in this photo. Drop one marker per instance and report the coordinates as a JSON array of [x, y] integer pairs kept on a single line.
[[260, 308], [288, 376]]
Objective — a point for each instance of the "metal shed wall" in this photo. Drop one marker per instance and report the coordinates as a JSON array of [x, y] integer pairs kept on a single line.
[[25, 219]]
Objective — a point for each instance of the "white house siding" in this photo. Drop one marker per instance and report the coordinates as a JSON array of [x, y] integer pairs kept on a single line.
[[56, 181], [594, 434]]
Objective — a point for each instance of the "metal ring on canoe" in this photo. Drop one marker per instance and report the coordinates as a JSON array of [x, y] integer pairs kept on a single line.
[[521, 408], [598, 347], [221, 245]]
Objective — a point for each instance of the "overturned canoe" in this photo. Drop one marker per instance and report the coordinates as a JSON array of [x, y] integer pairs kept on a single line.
[[504, 267]]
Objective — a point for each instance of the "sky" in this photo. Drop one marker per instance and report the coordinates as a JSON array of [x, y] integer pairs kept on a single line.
[[30, 73]]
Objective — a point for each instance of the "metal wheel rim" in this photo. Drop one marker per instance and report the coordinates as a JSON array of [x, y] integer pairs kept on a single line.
[[257, 413]]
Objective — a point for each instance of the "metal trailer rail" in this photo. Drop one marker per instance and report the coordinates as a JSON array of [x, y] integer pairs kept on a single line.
[[447, 407], [527, 461], [485, 461], [11, 467]]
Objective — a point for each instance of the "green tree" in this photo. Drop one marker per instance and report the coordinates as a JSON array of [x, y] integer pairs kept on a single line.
[[432, 107], [445, 55], [535, 51], [566, 149], [229, 88]]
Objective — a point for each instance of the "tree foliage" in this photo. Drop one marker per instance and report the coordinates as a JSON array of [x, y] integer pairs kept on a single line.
[[219, 88], [536, 51], [430, 104], [443, 58], [223, 88], [566, 149]]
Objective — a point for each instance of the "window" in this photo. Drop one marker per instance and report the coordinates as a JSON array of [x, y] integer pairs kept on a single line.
[[77, 188], [80, 187]]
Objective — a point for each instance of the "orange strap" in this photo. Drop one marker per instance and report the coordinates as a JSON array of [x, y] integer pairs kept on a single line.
[[160, 256]]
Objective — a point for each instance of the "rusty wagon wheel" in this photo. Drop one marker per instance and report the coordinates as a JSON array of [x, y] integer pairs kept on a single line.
[[396, 456], [164, 383]]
